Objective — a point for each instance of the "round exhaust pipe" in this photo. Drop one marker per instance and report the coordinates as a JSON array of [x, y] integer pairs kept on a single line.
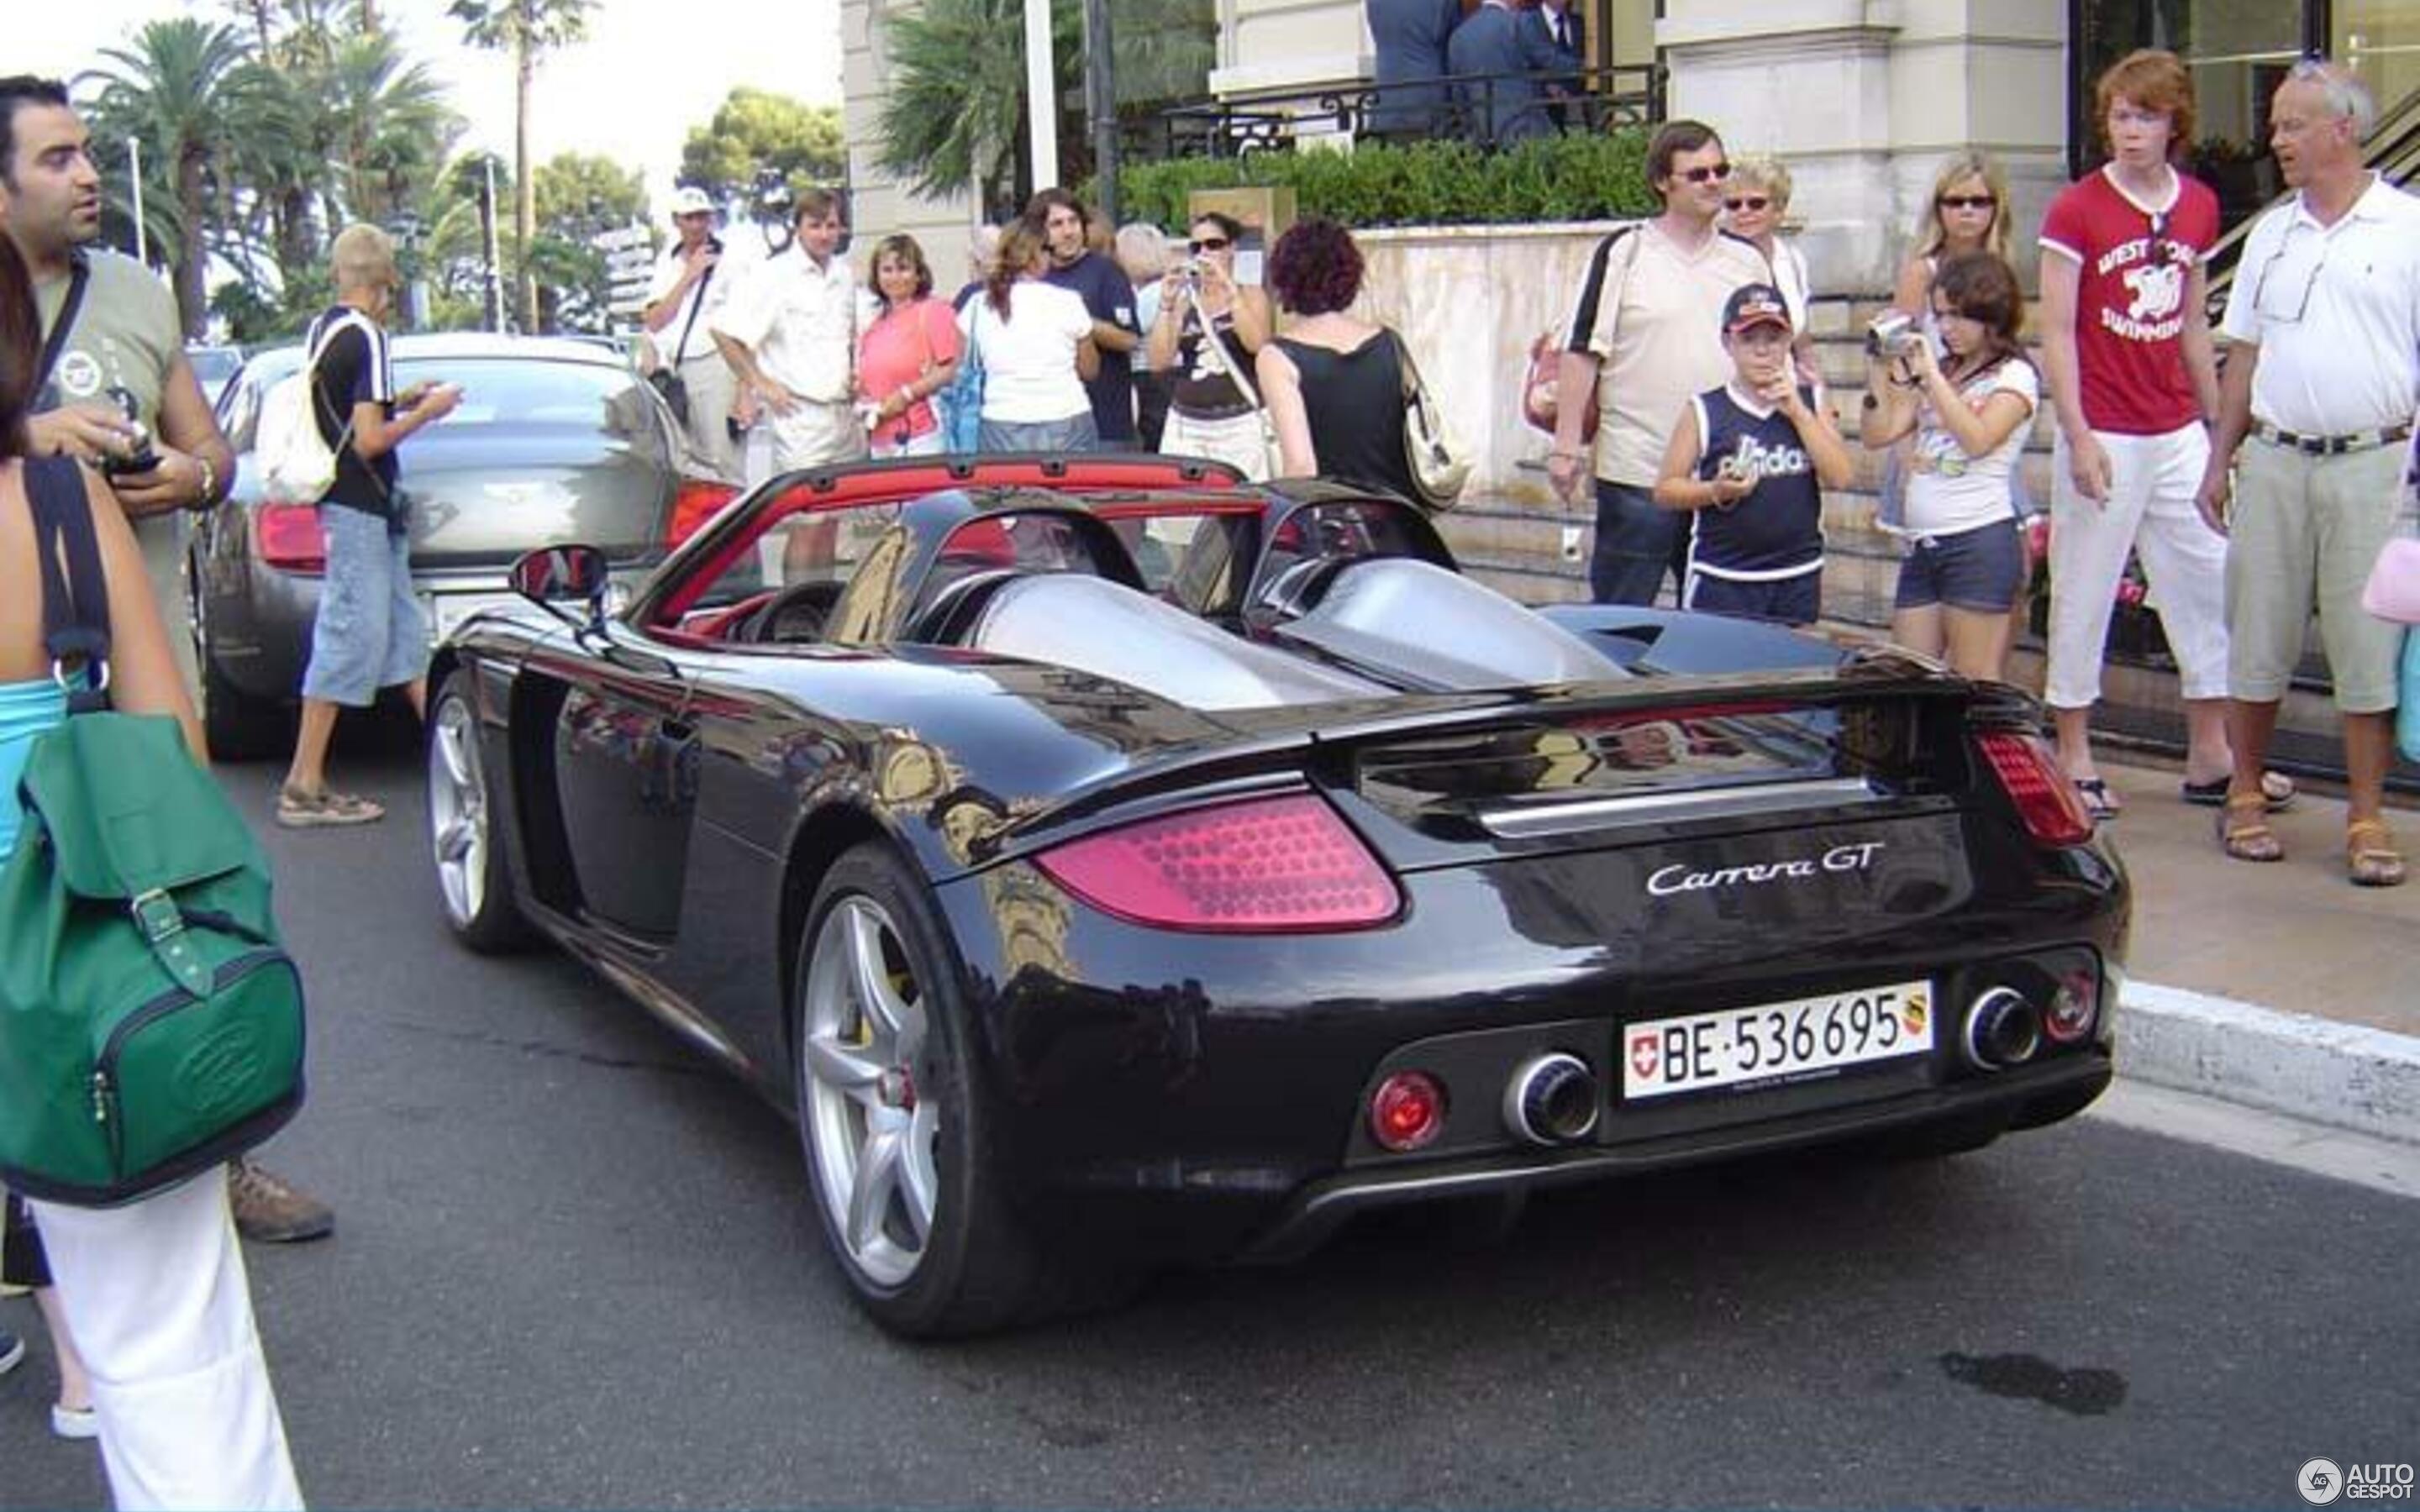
[[1552, 1100], [2002, 1029]]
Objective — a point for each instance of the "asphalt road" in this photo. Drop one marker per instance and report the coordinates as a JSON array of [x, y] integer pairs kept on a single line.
[[575, 1267]]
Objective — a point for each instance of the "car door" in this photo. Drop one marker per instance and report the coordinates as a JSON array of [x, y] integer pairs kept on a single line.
[[625, 760]]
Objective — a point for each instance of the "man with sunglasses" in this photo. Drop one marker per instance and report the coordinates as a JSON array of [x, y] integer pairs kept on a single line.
[[2316, 405], [2126, 345], [1644, 338]]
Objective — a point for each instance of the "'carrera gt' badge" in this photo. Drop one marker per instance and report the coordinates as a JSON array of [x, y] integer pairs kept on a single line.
[[1666, 880]]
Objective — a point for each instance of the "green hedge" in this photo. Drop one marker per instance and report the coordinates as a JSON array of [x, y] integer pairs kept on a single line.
[[1427, 183]]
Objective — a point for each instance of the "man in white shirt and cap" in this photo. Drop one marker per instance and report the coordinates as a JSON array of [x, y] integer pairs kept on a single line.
[[691, 286]]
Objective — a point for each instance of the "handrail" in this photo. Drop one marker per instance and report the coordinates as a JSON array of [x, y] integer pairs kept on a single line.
[[1448, 105]]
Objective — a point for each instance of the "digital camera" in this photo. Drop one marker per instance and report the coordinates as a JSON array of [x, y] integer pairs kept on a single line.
[[138, 459]]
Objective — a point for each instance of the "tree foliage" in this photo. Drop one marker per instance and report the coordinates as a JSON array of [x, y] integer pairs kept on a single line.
[[528, 29], [1428, 183], [578, 196], [756, 133]]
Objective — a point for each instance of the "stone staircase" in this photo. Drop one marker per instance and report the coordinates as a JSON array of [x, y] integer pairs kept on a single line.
[[1513, 541]]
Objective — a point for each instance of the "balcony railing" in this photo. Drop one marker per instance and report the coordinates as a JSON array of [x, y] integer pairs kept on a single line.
[[1488, 109]]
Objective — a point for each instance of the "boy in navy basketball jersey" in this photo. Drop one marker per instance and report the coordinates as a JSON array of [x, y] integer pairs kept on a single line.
[[1750, 461]]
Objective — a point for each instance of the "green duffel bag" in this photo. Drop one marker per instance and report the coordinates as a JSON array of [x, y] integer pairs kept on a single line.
[[150, 1021]]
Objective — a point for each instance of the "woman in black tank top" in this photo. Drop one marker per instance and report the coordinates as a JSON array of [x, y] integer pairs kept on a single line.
[[1334, 385], [1208, 330]]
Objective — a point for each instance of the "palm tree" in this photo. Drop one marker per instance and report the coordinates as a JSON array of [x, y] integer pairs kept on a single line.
[[393, 124], [171, 91], [528, 29]]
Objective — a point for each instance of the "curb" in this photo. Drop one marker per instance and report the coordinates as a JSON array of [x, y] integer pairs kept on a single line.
[[2342, 1075]]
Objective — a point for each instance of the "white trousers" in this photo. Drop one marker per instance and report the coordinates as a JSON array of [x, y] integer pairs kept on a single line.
[[2149, 510], [814, 434], [156, 1297], [1237, 440], [711, 390]]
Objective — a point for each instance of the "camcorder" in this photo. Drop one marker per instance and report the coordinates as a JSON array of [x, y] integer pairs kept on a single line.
[[1891, 333]]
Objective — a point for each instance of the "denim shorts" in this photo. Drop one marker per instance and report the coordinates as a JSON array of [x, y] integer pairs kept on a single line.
[[370, 632], [1980, 569]]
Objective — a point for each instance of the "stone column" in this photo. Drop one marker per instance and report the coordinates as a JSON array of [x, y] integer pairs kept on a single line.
[[1863, 100]]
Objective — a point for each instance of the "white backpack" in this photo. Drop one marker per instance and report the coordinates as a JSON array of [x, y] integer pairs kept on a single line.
[[297, 464]]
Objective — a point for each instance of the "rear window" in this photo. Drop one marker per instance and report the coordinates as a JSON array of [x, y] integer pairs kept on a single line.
[[536, 393]]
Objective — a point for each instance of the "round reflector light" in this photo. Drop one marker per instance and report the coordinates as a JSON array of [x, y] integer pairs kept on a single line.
[[2073, 1007], [1408, 1111]]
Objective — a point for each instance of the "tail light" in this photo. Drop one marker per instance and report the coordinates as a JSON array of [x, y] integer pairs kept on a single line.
[[2073, 1006], [1265, 866], [1407, 1111], [287, 536], [2045, 800], [693, 503]]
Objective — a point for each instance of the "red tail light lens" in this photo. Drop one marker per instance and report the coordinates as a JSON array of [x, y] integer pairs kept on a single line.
[[693, 503], [1407, 1111], [2045, 800], [1266, 866], [287, 536]]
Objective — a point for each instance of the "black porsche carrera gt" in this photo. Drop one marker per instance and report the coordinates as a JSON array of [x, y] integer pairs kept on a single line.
[[1107, 857]]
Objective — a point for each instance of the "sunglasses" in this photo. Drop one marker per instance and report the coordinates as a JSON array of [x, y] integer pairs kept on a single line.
[[1749, 201], [1967, 202], [1208, 244], [1714, 172]]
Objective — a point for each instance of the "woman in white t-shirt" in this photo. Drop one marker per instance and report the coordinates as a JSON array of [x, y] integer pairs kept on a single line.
[[1965, 559], [1033, 341]]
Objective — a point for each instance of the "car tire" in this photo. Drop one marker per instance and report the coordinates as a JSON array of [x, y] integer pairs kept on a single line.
[[239, 727], [474, 884], [894, 1119]]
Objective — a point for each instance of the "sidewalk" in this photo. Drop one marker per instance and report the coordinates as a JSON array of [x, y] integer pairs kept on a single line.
[[2281, 986]]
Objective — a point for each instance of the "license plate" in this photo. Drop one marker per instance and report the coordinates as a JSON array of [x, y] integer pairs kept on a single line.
[[1776, 1042]]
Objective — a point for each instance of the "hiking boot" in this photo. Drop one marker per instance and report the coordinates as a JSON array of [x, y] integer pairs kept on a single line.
[[300, 810], [270, 1211]]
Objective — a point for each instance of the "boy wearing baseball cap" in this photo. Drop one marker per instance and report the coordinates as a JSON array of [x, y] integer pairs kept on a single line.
[[1749, 462]]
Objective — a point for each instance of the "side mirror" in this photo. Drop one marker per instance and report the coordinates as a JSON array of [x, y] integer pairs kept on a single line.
[[561, 575]]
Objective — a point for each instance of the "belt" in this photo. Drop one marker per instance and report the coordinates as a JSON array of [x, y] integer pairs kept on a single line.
[[2360, 441]]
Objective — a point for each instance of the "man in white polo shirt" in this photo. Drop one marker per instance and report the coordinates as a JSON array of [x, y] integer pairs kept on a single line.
[[2324, 379], [790, 334]]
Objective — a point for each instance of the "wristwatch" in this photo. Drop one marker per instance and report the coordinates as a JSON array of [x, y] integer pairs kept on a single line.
[[210, 494]]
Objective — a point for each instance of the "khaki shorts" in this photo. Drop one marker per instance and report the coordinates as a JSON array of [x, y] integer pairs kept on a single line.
[[2305, 532]]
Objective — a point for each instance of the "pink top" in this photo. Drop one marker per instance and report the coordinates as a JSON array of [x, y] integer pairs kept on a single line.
[[898, 349]]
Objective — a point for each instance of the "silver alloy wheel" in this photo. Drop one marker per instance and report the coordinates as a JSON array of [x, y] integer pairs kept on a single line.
[[458, 812], [870, 1128]]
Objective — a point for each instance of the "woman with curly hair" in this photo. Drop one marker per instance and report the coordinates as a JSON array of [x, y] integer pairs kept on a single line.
[[1334, 385]]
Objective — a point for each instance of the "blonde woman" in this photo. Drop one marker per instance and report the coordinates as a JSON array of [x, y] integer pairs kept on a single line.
[[1969, 212], [1142, 256]]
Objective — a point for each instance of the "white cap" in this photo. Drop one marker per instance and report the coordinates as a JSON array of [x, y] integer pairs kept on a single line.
[[690, 200]]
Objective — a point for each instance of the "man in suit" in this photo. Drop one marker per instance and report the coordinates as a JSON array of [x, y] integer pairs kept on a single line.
[[1507, 102], [1408, 38], [1565, 32]]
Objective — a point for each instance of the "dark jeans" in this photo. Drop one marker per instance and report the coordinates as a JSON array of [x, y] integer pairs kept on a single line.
[[1637, 542]]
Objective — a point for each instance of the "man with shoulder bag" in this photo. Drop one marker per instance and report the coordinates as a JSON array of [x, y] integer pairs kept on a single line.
[[691, 286], [117, 391]]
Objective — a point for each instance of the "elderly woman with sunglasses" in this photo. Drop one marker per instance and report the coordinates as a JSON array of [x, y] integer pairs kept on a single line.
[[1754, 203], [1208, 334]]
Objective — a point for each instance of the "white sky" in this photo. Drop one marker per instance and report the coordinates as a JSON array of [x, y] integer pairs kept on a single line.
[[649, 70]]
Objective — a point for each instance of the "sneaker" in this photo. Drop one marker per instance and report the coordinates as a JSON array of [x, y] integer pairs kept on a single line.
[[270, 1211], [74, 1422], [299, 810], [12, 1352]]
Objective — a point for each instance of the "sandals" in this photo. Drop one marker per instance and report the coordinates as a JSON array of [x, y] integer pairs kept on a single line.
[[2243, 830], [2371, 859], [2095, 796], [2276, 791], [299, 810]]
